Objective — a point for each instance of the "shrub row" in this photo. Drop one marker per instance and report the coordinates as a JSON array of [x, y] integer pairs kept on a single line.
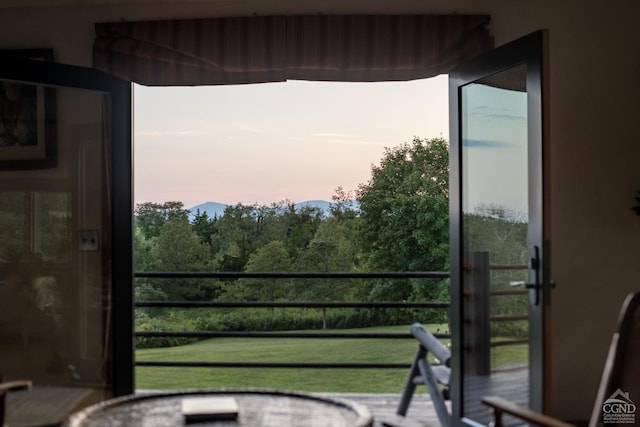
[[266, 319]]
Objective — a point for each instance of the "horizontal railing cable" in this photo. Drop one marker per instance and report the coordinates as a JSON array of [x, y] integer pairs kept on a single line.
[[229, 275], [509, 342], [290, 275], [253, 334], [290, 365], [296, 304]]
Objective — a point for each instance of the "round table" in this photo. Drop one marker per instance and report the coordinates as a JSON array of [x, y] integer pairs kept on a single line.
[[260, 408]]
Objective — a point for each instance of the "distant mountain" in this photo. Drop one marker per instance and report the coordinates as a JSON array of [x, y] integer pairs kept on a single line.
[[215, 209], [323, 205]]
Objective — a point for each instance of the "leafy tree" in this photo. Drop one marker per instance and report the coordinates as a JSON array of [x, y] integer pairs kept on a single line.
[[503, 234], [150, 217], [301, 225], [146, 291], [144, 259], [271, 223], [404, 211], [404, 208], [272, 257], [144, 253], [344, 205], [235, 238], [204, 226], [498, 231], [178, 248], [331, 250]]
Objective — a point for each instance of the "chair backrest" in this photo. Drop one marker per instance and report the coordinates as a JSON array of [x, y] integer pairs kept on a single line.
[[619, 392], [431, 343], [434, 377]]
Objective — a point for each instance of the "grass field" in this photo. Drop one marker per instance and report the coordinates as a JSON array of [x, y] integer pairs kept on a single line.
[[324, 350]]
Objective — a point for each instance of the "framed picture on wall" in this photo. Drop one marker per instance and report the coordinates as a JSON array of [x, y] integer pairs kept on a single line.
[[27, 118]]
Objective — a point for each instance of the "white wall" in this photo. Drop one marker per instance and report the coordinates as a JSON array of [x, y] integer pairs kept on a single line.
[[595, 143]]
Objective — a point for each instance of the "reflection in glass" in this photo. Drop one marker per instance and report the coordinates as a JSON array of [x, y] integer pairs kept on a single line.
[[52, 226], [495, 216], [35, 248], [55, 301], [12, 225], [35, 222]]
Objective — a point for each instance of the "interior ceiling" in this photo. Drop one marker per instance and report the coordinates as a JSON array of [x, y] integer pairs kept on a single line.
[[21, 4]]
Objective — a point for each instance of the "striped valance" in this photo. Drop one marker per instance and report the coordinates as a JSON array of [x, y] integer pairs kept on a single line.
[[257, 49]]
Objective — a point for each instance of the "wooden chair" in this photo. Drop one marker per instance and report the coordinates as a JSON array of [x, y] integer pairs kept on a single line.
[[620, 378], [435, 377], [6, 387]]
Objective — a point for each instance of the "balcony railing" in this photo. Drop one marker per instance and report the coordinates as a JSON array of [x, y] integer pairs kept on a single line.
[[479, 296], [291, 304]]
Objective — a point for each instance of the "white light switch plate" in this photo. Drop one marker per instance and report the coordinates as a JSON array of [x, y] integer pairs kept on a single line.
[[89, 240]]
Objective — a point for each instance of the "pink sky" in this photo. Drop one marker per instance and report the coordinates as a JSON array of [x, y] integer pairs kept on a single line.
[[268, 142]]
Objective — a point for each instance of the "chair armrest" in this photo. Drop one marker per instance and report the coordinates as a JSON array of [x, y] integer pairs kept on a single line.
[[10, 386], [14, 385], [501, 406]]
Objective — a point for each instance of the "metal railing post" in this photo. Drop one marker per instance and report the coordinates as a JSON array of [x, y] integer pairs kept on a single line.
[[477, 333]]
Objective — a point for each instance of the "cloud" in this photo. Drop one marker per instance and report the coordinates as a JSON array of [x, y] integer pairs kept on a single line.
[[169, 133], [248, 127], [506, 117], [333, 135], [330, 138], [484, 143], [488, 112]]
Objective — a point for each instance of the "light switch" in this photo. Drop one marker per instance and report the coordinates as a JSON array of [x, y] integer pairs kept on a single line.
[[88, 240]]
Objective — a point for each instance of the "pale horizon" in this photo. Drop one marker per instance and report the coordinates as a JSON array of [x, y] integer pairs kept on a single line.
[[266, 143]]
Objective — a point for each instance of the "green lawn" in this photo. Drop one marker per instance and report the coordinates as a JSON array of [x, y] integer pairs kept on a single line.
[[285, 350]]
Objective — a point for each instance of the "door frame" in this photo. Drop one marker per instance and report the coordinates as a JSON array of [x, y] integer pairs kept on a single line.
[[532, 51], [120, 193]]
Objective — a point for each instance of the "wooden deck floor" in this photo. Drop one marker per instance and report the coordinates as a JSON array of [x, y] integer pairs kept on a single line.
[[383, 408], [512, 384]]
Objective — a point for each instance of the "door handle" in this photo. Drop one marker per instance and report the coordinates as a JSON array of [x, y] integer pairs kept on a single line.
[[515, 283], [536, 286]]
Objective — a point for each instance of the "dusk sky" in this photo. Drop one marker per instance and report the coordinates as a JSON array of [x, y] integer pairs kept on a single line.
[[264, 143], [495, 149]]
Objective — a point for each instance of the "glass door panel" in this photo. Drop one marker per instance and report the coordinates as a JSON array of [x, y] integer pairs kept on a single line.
[[494, 216], [56, 248], [498, 231]]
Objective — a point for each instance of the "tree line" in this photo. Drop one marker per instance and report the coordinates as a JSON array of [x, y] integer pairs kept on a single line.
[[399, 224]]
